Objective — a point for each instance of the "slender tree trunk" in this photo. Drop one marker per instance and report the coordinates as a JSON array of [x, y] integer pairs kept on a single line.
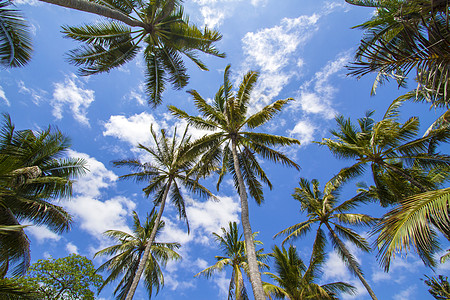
[[97, 9], [352, 265], [255, 275], [149, 244]]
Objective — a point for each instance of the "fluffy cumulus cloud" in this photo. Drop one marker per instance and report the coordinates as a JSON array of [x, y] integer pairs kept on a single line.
[[71, 248], [72, 94], [204, 218], [42, 233], [303, 131], [315, 96], [94, 214], [133, 130]]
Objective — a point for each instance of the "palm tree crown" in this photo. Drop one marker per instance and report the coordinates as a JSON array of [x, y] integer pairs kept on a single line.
[[32, 173], [393, 150], [128, 253], [403, 36], [15, 40], [234, 146], [164, 33], [233, 248], [322, 209], [295, 281]]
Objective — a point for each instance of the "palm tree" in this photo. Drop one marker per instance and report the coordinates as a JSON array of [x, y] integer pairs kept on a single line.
[[439, 287], [391, 147], [234, 145], [32, 172], [162, 30], [295, 281], [128, 253], [172, 160], [322, 210], [406, 171], [233, 248], [403, 36], [15, 41]]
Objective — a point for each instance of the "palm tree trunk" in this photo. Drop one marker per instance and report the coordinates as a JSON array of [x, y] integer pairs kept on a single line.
[[254, 274], [97, 9], [149, 244], [352, 264]]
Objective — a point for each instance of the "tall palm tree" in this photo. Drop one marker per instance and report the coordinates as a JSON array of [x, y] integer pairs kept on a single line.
[[233, 248], [160, 28], [171, 160], [407, 171], [233, 145], [32, 172], [388, 146], [403, 36], [295, 281], [322, 209], [128, 253], [15, 40]]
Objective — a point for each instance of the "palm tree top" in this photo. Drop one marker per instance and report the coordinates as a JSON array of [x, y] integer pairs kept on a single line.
[[229, 122], [164, 34]]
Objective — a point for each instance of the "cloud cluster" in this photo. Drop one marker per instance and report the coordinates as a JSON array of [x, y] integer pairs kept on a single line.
[[71, 93], [94, 214]]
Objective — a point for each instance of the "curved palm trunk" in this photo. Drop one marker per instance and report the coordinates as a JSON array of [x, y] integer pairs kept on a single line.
[[148, 246], [352, 265], [97, 9], [254, 274]]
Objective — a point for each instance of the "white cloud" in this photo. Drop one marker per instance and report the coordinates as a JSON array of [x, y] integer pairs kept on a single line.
[[71, 248], [71, 93], [97, 216], [315, 96], [3, 96], [210, 216], [303, 131], [36, 95], [29, 2], [138, 94], [42, 233], [407, 294], [271, 48], [134, 130], [98, 177]]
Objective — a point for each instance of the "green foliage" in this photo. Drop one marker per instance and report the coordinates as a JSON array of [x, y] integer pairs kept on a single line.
[[172, 160], [165, 34], [403, 36], [127, 254], [229, 122], [32, 173], [233, 247], [439, 287], [296, 281], [19, 289], [322, 208], [67, 278], [15, 41]]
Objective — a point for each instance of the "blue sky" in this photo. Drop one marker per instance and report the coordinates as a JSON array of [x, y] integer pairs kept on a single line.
[[300, 49]]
